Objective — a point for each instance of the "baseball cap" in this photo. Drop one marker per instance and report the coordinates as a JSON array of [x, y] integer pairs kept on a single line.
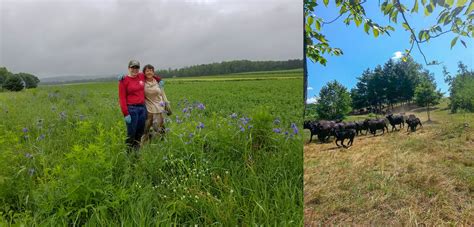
[[133, 63]]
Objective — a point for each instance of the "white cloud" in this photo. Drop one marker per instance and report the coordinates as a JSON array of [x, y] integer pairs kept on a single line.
[[310, 88], [397, 55], [312, 100]]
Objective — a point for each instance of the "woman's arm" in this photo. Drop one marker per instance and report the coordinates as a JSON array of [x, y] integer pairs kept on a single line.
[[123, 97]]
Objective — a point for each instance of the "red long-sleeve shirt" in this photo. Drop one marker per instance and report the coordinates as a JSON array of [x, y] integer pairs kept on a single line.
[[132, 91]]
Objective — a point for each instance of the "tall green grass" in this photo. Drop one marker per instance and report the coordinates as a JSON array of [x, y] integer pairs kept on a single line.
[[63, 159]]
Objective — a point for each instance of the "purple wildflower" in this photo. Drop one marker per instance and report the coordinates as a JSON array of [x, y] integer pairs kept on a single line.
[[200, 125], [295, 129], [286, 133], [178, 120], [242, 129], [25, 130], [185, 110], [250, 126], [191, 135], [201, 106], [41, 137], [233, 115], [162, 104], [277, 130]]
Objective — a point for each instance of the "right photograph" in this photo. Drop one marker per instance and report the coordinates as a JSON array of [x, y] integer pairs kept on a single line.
[[389, 112]]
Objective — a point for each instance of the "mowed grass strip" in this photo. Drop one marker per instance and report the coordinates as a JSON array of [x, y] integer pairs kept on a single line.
[[399, 178]]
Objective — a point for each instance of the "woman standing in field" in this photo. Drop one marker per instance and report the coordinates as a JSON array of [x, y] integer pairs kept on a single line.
[[132, 103], [156, 104]]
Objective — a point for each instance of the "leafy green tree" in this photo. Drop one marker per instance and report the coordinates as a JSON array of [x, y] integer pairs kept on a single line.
[[334, 101], [14, 83], [31, 81], [452, 18], [360, 94], [461, 88], [426, 95]]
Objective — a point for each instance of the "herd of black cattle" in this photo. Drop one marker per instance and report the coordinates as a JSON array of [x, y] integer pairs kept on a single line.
[[348, 130]]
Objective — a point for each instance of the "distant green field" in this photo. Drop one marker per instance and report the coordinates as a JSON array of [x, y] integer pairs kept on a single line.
[[64, 161], [399, 178], [280, 74]]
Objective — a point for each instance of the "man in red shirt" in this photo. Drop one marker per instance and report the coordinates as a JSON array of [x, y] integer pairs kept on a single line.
[[132, 103]]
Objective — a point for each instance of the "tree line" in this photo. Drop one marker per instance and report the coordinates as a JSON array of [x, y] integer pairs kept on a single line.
[[229, 67], [16, 82], [396, 82]]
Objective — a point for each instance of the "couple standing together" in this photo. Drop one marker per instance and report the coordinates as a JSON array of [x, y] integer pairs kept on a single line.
[[143, 103]]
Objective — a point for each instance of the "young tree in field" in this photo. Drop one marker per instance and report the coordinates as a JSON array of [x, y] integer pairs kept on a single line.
[[461, 88], [426, 95], [334, 101], [456, 18], [31, 81], [14, 83]]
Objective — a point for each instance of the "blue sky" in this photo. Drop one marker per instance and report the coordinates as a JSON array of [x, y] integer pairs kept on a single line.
[[362, 51]]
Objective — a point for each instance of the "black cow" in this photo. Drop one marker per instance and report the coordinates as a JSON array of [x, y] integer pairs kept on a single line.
[[360, 125], [376, 124], [311, 125], [412, 122], [395, 120], [341, 135]]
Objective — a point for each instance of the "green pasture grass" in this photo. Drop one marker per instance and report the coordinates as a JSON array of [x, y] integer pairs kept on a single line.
[[400, 178], [64, 162]]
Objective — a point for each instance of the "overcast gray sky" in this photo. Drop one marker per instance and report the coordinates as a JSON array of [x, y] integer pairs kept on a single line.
[[94, 37]]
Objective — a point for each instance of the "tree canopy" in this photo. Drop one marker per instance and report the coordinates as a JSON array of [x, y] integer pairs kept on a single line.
[[334, 102]]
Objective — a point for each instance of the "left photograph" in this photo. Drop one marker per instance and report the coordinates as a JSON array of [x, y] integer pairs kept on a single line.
[[147, 113]]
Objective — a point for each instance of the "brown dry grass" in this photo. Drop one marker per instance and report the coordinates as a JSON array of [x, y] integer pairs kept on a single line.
[[400, 178]]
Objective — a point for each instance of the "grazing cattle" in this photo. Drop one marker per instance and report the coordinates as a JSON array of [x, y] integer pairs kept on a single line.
[[341, 135], [412, 122], [361, 126], [376, 124], [311, 125], [324, 130], [395, 120]]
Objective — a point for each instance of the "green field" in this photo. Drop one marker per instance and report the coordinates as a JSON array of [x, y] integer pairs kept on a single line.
[[400, 178], [64, 162]]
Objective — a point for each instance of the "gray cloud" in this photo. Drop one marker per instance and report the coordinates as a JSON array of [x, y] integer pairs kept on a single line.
[[72, 37]]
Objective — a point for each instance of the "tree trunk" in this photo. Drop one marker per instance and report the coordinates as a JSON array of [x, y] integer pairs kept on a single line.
[[428, 110]]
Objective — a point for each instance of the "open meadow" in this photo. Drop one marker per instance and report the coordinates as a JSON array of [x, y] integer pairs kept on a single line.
[[400, 178], [232, 156]]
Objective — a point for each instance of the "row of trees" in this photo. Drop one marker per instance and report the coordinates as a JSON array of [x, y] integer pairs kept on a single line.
[[394, 82], [229, 67], [16, 82]]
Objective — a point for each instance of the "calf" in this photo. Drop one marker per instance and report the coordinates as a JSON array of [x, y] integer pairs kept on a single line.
[[395, 120], [341, 135], [376, 124], [413, 122]]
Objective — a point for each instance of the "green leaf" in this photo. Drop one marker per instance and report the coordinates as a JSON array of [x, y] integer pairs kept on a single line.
[[405, 25], [415, 7], [420, 35], [428, 10], [423, 2], [357, 21], [394, 15], [453, 42], [376, 32], [461, 3], [450, 2], [366, 27], [318, 25], [456, 11], [326, 2], [470, 8], [310, 20], [390, 28], [463, 43]]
